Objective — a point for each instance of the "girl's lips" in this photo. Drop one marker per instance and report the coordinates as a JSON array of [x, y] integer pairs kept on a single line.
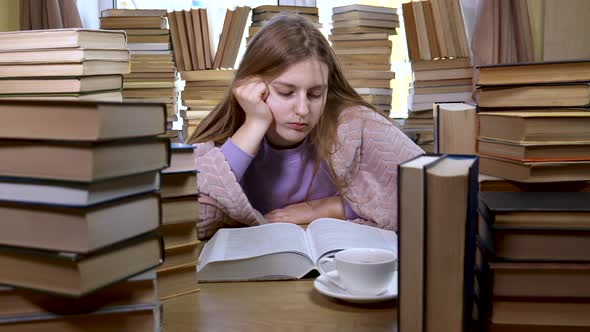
[[297, 125]]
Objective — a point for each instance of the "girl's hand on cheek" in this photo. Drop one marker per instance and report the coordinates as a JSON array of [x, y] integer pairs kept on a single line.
[[251, 94]]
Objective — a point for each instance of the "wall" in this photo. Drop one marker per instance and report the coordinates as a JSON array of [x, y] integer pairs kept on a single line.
[[9, 15]]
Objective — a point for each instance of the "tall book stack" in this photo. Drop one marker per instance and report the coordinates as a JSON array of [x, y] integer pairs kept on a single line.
[[439, 55], [180, 212], [261, 14], [152, 76], [533, 139], [204, 89], [79, 211], [64, 64], [437, 219], [533, 261], [360, 39]]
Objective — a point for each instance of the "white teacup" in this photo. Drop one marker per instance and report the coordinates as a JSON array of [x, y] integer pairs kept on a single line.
[[361, 271]]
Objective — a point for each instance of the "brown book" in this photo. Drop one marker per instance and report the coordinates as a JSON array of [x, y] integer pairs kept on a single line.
[[361, 43], [363, 51], [441, 89], [101, 96], [530, 152], [494, 184], [431, 30], [455, 128], [79, 274], [181, 158], [538, 72], [133, 12], [184, 44], [223, 38], [421, 30], [180, 209], [133, 22], [560, 30], [148, 32], [546, 171], [65, 55], [367, 58], [175, 38], [180, 255], [458, 28], [364, 8], [197, 35], [411, 32], [374, 99], [362, 29], [359, 36], [493, 327], [148, 84], [443, 74], [363, 15], [365, 23], [179, 233], [206, 36], [86, 162], [190, 36], [369, 83], [440, 64], [138, 290], [449, 222], [564, 312], [369, 74], [124, 318], [178, 184], [530, 127], [439, 26], [208, 75], [62, 38], [177, 281], [440, 82], [79, 228], [245, 12], [232, 37], [540, 280], [87, 121], [85, 68], [411, 239], [151, 58], [295, 9], [61, 85], [138, 93], [148, 38]]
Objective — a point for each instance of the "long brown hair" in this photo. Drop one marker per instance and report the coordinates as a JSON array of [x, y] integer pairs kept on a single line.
[[283, 41]]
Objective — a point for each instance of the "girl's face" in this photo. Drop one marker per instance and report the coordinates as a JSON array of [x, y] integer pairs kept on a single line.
[[297, 99]]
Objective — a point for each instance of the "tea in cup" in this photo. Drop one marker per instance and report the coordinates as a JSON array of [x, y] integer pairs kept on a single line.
[[361, 271]]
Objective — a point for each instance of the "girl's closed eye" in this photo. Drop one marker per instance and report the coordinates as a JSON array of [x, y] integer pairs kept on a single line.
[[285, 93]]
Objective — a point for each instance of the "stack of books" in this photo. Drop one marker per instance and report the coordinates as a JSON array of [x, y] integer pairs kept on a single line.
[[64, 64], [204, 89], [79, 211], [533, 261], [533, 121], [152, 76], [360, 39], [262, 14], [180, 213]]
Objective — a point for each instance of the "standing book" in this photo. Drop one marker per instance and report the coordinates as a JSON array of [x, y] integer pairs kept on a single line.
[[283, 251]]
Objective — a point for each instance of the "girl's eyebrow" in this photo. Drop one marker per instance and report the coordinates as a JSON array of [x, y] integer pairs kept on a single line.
[[292, 86]]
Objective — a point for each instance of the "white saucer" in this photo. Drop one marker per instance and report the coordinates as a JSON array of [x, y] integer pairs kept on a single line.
[[327, 288]]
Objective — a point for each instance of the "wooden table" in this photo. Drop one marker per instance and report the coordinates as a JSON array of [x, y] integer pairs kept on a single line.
[[273, 306]]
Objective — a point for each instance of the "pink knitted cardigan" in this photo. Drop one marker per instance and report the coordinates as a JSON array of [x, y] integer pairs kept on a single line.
[[369, 151]]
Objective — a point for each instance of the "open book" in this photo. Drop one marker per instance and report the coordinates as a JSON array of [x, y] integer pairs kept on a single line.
[[283, 251]]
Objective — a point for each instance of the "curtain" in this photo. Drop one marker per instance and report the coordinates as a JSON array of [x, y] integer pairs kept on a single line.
[[49, 14]]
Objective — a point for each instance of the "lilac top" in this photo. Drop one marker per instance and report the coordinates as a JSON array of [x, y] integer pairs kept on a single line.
[[273, 178]]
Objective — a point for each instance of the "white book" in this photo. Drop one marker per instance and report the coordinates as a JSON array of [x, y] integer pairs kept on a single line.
[[283, 251]]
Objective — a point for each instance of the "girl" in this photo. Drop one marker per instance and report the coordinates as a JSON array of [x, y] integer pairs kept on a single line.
[[293, 141]]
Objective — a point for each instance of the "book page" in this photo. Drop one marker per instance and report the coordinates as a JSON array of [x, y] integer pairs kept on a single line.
[[240, 243], [327, 235]]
